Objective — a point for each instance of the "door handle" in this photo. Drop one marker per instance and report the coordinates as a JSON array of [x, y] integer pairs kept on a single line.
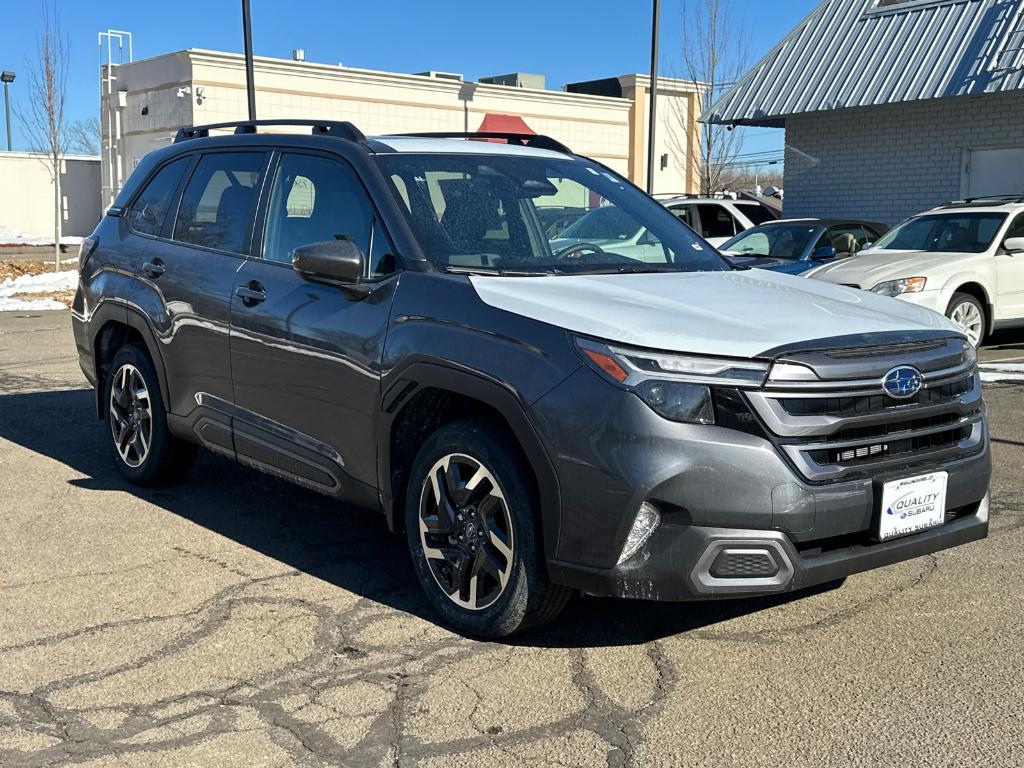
[[154, 268], [251, 294]]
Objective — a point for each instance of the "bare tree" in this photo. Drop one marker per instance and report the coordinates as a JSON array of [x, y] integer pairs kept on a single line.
[[714, 52], [44, 117], [84, 136]]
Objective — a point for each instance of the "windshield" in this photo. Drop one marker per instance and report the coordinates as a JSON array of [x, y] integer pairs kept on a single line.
[[953, 232], [778, 241], [519, 213]]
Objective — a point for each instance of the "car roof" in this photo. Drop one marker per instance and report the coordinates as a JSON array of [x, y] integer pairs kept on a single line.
[[957, 210], [824, 222], [687, 199], [430, 145]]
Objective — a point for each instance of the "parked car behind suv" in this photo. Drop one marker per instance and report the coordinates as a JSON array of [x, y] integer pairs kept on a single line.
[[795, 246], [385, 321], [717, 220], [965, 260]]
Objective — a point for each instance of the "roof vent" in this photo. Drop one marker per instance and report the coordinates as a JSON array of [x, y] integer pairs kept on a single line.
[[453, 76], [299, 55], [516, 80]]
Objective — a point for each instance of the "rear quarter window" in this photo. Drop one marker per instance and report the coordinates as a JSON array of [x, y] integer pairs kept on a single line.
[[149, 211], [756, 213]]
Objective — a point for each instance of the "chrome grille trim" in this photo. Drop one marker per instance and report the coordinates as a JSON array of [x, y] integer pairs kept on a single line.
[[768, 406], [799, 454], [939, 425], [852, 387]]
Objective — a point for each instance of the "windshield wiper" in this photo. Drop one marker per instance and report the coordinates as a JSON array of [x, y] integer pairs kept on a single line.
[[623, 270], [491, 271]]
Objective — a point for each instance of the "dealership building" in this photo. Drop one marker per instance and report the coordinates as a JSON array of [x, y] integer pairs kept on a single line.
[[892, 106], [144, 103]]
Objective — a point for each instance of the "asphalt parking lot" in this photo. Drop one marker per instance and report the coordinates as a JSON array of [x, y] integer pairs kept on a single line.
[[237, 621]]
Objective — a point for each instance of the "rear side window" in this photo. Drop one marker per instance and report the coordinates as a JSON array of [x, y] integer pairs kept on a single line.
[[215, 206], [149, 210], [716, 221]]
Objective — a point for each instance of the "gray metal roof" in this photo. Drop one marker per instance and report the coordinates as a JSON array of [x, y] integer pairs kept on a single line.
[[853, 53]]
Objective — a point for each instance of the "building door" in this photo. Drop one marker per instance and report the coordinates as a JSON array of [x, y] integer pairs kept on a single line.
[[993, 172]]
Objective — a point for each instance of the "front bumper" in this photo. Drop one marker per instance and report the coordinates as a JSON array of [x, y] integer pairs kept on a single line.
[[717, 489], [677, 564]]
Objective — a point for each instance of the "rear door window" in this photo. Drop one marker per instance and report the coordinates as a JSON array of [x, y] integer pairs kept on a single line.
[[716, 221], [149, 211], [217, 203]]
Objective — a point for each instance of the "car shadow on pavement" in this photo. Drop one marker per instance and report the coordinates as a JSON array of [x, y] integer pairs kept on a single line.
[[344, 546]]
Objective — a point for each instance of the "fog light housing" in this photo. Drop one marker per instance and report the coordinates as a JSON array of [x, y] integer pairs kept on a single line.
[[648, 518]]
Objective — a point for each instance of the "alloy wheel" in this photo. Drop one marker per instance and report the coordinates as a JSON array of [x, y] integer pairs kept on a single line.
[[967, 316], [131, 415], [466, 531]]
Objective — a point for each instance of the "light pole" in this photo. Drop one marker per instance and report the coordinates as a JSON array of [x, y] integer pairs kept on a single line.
[[7, 77], [655, 16], [250, 86]]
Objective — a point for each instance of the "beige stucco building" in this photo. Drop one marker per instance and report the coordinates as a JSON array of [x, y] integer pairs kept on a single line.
[[146, 101]]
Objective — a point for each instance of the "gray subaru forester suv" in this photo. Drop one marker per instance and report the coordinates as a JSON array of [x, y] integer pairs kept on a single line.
[[385, 321]]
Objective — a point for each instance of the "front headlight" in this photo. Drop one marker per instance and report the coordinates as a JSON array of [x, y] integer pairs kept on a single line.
[[903, 285], [676, 387]]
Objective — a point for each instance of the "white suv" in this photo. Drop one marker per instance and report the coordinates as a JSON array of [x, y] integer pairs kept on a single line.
[[963, 259], [718, 220]]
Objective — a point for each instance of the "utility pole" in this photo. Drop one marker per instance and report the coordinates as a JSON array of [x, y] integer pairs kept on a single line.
[[7, 77], [250, 86], [655, 18]]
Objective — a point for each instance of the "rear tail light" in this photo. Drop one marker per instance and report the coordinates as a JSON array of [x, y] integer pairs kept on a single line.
[[86, 249]]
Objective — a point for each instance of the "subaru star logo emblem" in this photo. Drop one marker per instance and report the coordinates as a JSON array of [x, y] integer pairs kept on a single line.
[[902, 382]]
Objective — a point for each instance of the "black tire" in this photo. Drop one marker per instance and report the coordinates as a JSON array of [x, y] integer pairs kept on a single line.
[[166, 457], [527, 599], [960, 299]]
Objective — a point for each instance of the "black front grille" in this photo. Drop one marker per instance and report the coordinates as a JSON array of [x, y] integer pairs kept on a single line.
[[855, 405], [886, 351], [893, 427], [873, 451]]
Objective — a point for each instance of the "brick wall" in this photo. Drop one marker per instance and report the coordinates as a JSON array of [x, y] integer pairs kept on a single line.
[[889, 162]]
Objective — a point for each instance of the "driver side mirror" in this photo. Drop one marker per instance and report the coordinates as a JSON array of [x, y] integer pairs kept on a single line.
[[337, 262], [1013, 244], [823, 253]]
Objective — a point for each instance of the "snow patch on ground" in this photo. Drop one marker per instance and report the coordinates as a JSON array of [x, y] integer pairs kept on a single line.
[[48, 282], [28, 305], [1002, 372], [14, 236]]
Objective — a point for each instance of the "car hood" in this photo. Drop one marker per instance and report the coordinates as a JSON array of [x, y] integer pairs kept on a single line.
[[740, 314], [870, 268]]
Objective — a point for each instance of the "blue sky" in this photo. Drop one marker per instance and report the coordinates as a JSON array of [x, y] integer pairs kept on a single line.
[[566, 40]]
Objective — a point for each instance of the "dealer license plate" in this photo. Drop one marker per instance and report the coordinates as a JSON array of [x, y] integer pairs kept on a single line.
[[912, 504]]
